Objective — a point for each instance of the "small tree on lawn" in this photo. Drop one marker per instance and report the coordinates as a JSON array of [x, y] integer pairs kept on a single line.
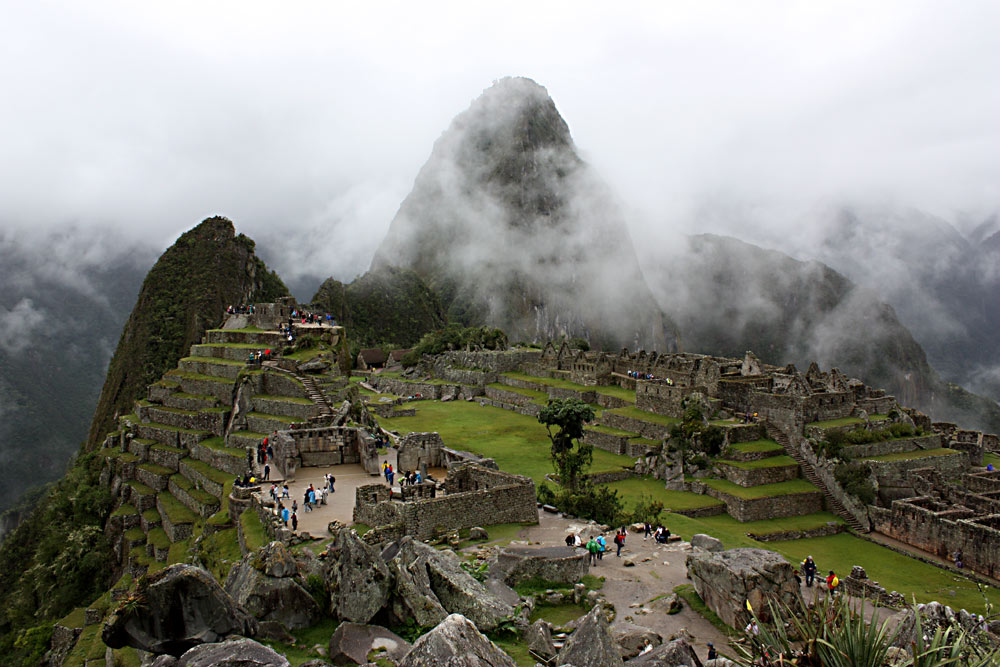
[[571, 459]]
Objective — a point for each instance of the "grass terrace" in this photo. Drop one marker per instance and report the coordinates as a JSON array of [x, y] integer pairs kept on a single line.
[[634, 489], [771, 462], [249, 328], [189, 375], [253, 530], [219, 361], [910, 456], [834, 423], [537, 396], [286, 399], [610, 430], [280, 418], [559, 383], [642, 415], [788, 488], [991, 458], [176, 512], [758, 446], [218, 476], [219, 445], [518, 443]]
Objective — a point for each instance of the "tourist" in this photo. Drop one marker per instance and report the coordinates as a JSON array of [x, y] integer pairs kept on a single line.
[[417, 479], [284, 516], [832, 582], [389, 474], [267, 472], [570, 540], [602, 546], [311, 495], [295, 506], [647, 530], [592, 549], [809, 568], [270, 447], [798, 579], [712, 653], [295, 521], [284, 490], [959, 562], [619, 542]]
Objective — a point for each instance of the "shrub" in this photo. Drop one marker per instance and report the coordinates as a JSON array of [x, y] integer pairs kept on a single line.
[[646, 510], [855, 478], [545, 494]]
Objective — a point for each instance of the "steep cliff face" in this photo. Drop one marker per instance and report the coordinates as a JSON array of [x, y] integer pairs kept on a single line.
[[511, 228], [387, 305], [185, 293], [730, 296]]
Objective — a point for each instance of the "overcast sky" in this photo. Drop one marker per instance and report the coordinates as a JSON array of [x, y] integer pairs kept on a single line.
[[310, 120]]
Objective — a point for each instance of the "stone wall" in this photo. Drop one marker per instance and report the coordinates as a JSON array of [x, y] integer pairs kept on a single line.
[[562, 565], [419, 449], [528, 410], [480, 496], [616, 444], [942, 529], [505, 396], [748, 477], [895, 473], [661, 398], [643, 428], [771, 507], [892, 446], [492, 360], [830, 528], [328, 445]]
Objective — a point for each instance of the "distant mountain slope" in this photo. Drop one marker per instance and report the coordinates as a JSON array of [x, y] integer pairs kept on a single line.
[[185, 293], [729, 296], [387, 305], [511, 228], [65, 297]]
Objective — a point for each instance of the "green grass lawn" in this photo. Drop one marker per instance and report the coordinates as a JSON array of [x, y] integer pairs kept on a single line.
[[617, 392], [642, 415], [758, 446], [840, 553], [910, 456], [990, 457], [770, 462], [762, 491], [631, 490], [519, 444]]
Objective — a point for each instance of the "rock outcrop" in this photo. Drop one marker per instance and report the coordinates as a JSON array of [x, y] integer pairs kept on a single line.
[[565, 565], [676, 653], [358, 578], [430, 584], [181, 607], [632, 638], [352, 643], [726, 580], [232, 653], [538, 638], [456, 642], [266, 585], [706, 542], [591, 643]]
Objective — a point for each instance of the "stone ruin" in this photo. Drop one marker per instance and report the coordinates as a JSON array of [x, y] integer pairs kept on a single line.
[[474, 495], [325, 446]]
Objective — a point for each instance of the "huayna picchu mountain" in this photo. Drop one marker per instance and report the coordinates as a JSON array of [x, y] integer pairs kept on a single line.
[[206, 270], [512, 229]]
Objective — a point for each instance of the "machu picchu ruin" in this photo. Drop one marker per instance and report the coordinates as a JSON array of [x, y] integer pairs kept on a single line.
[[515, 438]]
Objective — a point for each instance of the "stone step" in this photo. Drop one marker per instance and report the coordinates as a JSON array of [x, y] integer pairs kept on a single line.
[[284, 406], [166, 434], [150, 518], [212, 420], [221, 368], [205, 477], [158, 545], [190, 401], [140, 447], [165, 456], [200, 384], [153, 476], [261, 422], [264, 339], [141, 496], [215, 453], [230, 351], [161, 390], [133, 537], [193, 498], [244, 439], [137, 562], [178, 521]]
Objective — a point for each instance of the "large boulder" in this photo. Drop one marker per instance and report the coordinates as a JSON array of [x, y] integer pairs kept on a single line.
[[632, 638], [266, 584], [706, 542], [430, 584], [351, 644], [456, 642], [358, 578], [180, 607], [591, 643], [538, 638], [565, 565], [676, 653], [233, 653], [726, 580]]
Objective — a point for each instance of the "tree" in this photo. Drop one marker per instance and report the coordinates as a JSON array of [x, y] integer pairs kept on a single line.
[[570, 458]]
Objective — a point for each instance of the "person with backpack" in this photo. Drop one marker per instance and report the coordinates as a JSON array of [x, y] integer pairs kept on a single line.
[[809, 569], [619, 542], [592, 548], [832, 582], [602, 546]]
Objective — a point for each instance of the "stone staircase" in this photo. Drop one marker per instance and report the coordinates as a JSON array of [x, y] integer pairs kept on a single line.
[[779, 436], [314, 392]]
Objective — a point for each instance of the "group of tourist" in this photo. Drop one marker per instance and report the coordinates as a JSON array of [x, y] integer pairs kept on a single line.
[[387, 472], [660, 534], [410, 478], [306, 317], [265, 450], [637, 375], [241, 310], [257, 356], [809, 569], [597, 544], [750, 417]]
